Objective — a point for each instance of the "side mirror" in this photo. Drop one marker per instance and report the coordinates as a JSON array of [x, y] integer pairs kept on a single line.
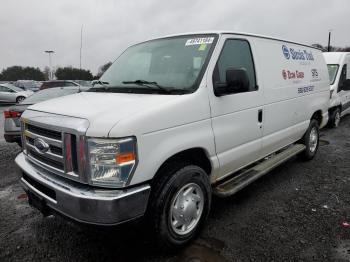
[[237, 81], [346, 85]]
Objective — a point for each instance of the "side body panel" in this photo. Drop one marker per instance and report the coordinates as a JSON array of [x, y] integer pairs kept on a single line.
[[296, 85]]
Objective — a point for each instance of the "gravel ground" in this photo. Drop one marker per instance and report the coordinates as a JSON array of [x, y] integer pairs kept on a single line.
[[295, 213]]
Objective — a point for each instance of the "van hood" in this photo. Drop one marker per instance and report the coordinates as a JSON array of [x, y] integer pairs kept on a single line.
[[102, 110]]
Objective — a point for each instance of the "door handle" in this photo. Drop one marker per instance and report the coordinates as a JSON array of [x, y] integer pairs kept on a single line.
[[260, 115]]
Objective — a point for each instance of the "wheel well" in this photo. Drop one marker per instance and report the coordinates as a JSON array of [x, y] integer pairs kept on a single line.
[[317, 116], [195, 156], [331, 110]]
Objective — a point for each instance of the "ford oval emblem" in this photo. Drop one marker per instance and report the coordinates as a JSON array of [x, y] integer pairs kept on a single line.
[[41, 146]]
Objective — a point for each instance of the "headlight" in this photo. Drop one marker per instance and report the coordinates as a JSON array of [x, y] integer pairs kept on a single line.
[[111, 161]]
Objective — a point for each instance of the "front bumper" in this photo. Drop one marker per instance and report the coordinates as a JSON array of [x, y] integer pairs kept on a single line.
[[80, 202]]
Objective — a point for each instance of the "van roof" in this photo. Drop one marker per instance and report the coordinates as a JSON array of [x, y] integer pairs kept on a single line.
[[335, 57], [222, 32]]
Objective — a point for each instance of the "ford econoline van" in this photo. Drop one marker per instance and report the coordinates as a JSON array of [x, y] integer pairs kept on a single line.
[[171, 122], [339, 73]]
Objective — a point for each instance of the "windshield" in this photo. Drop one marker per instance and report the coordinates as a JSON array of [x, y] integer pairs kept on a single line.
[[332, 71], [167, 64], [47, 94]]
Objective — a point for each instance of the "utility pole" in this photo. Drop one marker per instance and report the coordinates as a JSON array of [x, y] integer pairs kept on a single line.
[[81, 44], [50, 52], [81, 48], [329, 40]]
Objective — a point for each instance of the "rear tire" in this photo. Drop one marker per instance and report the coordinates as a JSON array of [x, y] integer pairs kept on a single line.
[[20, 99], [180, 204], [311, 141], [334, 118]]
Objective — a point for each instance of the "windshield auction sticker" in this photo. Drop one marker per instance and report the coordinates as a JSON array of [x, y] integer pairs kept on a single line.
[[199, 41]]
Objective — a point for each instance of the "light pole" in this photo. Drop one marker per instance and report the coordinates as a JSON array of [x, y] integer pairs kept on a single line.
[[50, 52]]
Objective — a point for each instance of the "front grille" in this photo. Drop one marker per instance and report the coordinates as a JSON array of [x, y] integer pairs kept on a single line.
[[56, 164], [60, 153], [44, 132]]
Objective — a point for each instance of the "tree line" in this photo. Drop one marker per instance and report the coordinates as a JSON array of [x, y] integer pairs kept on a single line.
[[14, 73], [332, 48]]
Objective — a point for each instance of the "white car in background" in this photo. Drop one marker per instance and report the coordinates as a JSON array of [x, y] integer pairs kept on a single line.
[[339, 73], [13, 94]]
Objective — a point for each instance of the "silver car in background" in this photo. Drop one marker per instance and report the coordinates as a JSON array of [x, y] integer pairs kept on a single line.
[[13, 94], [12, 116]]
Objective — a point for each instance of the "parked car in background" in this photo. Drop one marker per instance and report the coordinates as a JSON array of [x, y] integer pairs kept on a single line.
[[84, 82], [12, 127], [28, 85], [339, 73], [63, 83], [172, 121], [12, 94]]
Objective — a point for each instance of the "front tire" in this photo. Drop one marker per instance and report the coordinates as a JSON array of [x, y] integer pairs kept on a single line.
[[311, 141], [334, 118], [180, 204]]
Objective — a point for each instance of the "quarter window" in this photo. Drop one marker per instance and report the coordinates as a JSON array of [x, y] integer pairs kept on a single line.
[[342, 78], [236, 53]]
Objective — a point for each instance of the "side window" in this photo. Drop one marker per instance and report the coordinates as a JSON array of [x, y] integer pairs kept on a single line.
[[69, 84], [5, 89], [237, 54], [342, 78]]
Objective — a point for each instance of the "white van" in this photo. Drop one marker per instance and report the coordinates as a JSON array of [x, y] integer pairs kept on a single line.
[[172, 121], [339, 73]]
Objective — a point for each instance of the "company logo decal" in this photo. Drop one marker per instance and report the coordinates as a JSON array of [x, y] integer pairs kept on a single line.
[[297, 54], [41, 146], [306, 89], [286, 74], [285, 51], [314, 73]]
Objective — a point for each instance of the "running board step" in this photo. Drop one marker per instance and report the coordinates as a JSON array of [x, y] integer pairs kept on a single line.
[[242, 180]]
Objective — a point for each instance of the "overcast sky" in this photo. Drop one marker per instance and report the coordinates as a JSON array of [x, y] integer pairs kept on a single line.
[[29, 27]]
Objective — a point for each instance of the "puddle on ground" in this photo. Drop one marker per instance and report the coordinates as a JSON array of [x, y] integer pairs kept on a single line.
[[324, 142], [22, 196], [343, 250], [202, 251]]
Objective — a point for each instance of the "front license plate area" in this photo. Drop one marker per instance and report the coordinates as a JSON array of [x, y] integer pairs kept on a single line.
[[38, 202]]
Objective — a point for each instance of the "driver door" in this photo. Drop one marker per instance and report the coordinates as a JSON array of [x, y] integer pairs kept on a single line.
[[237, 118]]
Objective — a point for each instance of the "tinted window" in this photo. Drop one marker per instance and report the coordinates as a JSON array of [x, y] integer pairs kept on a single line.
[[332, 71], [342, 78], [12, 88], [69, 84], [235, 54], [3, 89]]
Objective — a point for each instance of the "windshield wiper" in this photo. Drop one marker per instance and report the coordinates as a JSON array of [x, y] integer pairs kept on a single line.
[[147, 84], [99, 82]]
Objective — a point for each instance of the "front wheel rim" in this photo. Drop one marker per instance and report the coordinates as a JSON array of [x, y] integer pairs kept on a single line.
[[186, 209], [313, 141]]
